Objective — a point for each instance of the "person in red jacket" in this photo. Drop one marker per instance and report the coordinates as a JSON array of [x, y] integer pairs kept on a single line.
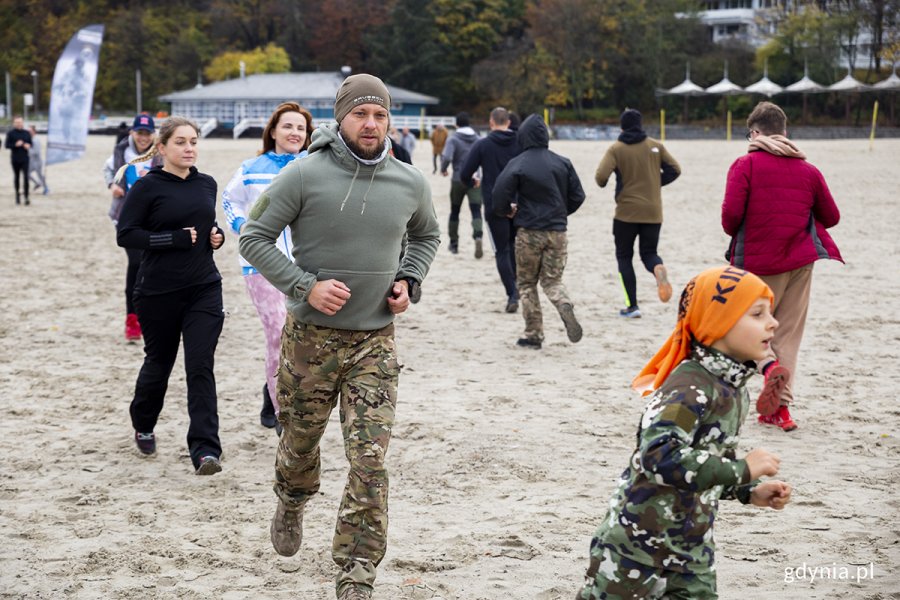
[[777, 208]]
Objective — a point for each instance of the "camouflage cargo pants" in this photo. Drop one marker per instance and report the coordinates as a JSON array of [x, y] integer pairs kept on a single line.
[[612, 576], [320, 367], [540, 256]]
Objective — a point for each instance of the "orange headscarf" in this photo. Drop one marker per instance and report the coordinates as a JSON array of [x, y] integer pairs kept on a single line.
[[711, 303]]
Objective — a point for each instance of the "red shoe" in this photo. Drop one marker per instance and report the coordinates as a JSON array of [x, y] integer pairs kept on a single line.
[[781, 418], [132, 328], [770, 397]]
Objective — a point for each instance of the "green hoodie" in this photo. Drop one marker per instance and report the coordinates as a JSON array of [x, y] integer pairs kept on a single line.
[[347, 222]]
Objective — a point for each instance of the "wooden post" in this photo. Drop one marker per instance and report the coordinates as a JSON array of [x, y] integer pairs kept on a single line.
[[662, 125]]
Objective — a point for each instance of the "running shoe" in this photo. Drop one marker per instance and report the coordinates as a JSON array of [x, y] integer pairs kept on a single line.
[[770, 397], [573, 328], [146, 442], [209, 465], [529, 343], [781, 418], [632, 312], [479, 248], [663, 287], [132, 327], [267, 414]]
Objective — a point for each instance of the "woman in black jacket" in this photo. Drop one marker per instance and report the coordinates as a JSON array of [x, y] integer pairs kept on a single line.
[[170, 214]]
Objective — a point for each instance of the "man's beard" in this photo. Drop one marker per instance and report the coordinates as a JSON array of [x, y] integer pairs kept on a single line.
[[363, 153]]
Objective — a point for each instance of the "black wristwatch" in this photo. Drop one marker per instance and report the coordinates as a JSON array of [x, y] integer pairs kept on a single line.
[[415, 289]]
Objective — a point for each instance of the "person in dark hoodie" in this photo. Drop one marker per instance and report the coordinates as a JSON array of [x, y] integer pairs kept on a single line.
[[642, 166], [539, 189], [170, 215], [491, 154], [349, 204], [455, 152]]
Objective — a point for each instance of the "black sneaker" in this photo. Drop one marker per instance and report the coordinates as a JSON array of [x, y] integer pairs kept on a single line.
[[209, 465], [632, 312], [146, 442], [454, 247], [512, 305], [479, 248], [573, 329], [529, 343], [267, 414]]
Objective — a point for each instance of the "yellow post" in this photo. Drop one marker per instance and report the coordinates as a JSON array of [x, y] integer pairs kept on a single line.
[[546, 117], [728, 127], [874, 118], [422, 123], [662, 125]]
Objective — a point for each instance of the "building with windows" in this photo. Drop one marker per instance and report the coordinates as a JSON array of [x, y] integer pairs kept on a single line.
[[254, 97]]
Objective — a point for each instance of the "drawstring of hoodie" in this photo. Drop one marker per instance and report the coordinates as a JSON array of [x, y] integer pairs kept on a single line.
[[366, 195], [352, 181]]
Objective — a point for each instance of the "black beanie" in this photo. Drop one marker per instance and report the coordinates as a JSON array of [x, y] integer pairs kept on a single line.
[[630, 119]]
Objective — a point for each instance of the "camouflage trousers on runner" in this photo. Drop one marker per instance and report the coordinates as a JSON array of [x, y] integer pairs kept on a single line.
[[612, 576], [320, 368], [540, 257]]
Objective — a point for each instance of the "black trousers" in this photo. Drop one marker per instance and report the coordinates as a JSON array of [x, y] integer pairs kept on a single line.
[[134, 263], [625, 234], [503, 237], [195, 315], [20, 167]]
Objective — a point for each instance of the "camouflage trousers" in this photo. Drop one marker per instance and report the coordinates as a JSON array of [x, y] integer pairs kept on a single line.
[[540, 257], [458, 191], [612, 576], [358, 371]]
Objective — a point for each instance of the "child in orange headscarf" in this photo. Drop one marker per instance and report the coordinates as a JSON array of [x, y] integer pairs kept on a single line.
[[657, 538]]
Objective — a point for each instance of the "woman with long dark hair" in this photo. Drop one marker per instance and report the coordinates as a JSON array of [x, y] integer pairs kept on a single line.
[[170, 214]]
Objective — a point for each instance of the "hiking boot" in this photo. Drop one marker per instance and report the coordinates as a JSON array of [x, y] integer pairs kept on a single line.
[[781, 418], [355, 592], [573, 329], [132, 327], [267, 414], [454, 247], [286, 530], [529, 343], [146, 442], [479, 248], [663, 287], [632, 312], [209, 465], [512, 305], [770, 397]]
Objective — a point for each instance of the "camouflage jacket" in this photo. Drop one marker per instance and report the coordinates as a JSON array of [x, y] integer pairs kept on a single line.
[[663, 509]]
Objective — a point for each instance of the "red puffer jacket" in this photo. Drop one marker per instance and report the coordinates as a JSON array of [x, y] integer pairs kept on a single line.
[[776, 210]]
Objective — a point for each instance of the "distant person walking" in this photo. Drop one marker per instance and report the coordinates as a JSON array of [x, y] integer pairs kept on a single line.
[[642, 166], [36, 162], [18, 141], [455, 152], [539, 189], [408, 141], [491, 154], [170, 215], [136, 144], [285, 138], [774, 184], [438, 139]]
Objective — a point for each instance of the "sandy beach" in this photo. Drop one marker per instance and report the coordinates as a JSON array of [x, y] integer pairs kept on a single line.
[[502, 460]]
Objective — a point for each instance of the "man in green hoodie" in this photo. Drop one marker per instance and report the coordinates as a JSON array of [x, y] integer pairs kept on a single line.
[[349, 204]]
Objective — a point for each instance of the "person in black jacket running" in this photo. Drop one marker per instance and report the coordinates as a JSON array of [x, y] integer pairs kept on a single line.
[[170, 214], [491, 153], [539, 189]]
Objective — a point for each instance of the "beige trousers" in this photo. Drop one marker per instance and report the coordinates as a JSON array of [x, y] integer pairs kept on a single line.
[[791, 291]]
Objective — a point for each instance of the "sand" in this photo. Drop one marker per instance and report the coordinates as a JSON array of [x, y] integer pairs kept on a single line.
[[502, 459]]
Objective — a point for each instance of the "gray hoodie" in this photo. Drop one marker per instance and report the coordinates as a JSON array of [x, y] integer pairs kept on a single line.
[[456, 150], [347, 222]]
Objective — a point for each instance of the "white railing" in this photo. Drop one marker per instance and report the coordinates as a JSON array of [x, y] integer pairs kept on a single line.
[[245, 124], [208, 127]]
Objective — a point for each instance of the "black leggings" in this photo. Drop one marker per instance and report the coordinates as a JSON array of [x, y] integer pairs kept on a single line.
[[195, 315], [20, 167], [625, 234]]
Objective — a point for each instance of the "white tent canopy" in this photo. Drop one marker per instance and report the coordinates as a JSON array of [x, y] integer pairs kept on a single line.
[[892, 83], [849, 84], [764, 86], [726, 87], [805, 85], [686, 87]]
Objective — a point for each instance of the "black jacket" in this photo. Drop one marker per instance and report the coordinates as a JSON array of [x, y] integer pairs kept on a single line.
[[547, 185], [19, 153], [491, 153], [157, 209]]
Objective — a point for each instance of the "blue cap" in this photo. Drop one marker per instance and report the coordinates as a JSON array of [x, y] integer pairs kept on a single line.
[[143, 123]]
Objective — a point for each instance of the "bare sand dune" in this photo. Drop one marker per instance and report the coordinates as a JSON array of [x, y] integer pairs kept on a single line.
[[502, 460]]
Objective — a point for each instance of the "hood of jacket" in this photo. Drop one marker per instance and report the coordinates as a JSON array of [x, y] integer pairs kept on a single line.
[[503, 137], [466, 134], [632, 135], [533, 133]]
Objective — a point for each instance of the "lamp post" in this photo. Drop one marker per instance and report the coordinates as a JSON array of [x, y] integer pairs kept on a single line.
[[34, 76]]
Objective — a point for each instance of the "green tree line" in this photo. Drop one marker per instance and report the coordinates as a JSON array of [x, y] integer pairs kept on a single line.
[[585, 58]]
